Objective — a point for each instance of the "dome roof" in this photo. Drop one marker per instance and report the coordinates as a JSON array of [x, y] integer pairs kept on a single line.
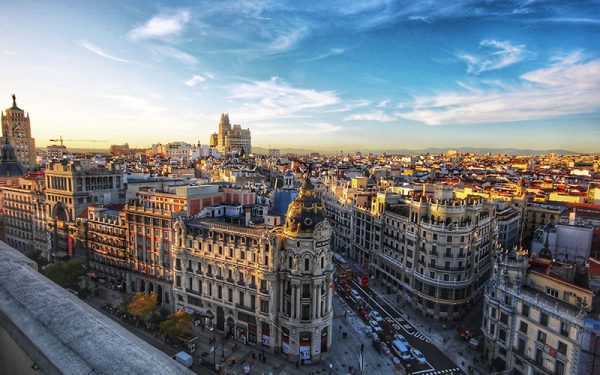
[[9, 164], [305, 211]]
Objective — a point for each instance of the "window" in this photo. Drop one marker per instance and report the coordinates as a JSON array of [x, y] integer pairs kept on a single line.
[[253, 302], [306, 264], [263, 285], [567, 296], [231, 252], [219, 292], [523, 327], [449, 238], [562, 348], [503, 318], [564, 329], [541, 337], [322, 262], [502, 335], [521, 346], [544, 319], [560, 368], [229, 274], [305, 290], [552, 292], [264, 306], [435, 236], [525, 310], [230, 294], [493, 312], [538, 356], [305, 311], [178, 280], [241, 299]]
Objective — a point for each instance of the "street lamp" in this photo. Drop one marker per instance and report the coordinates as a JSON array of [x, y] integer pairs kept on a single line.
[[214, 340]]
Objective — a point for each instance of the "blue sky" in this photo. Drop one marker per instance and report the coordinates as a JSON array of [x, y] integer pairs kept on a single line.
[[335, 75]]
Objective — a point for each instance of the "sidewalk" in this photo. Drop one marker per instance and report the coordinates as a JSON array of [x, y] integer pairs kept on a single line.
[[444, 335]]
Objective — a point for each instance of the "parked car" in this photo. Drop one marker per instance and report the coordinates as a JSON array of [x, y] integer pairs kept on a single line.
[[375, 325], [416, 353], [466, 335], [354, 294], [376, 316], [385, 350], [368, 330]]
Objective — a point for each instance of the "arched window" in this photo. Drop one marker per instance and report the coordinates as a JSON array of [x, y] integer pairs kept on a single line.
[[306, 264]]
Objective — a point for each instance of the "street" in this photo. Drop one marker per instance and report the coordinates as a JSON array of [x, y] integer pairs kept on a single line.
[[393, 322]]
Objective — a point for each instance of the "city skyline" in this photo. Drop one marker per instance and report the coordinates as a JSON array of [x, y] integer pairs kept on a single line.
[[377, 74]]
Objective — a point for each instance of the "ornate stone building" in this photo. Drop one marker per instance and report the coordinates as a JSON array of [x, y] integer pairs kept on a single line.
[[265, 286], [535, 315], [71, 185], [15, 123], [437, 251], [24, 215], [231, 139]]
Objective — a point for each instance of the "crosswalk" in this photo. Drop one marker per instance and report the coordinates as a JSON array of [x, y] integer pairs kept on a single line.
[[420, 336], [450, 371]]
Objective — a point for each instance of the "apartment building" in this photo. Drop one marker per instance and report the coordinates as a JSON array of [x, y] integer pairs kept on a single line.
[[107, 244], [24, 215], [535, 315], [71, 185], [436, 251]]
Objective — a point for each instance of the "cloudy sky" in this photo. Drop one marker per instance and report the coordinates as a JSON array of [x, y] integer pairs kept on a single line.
[[338, 75]]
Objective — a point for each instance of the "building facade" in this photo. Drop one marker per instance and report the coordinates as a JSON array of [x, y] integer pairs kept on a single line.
[[16, 124], [231, 138], [437, 253], [107, 244], [72, 185], [265, 286], [23, 214], [534, 316]]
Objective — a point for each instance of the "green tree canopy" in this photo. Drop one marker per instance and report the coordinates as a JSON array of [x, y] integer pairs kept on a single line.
[[66, 274], [142, 304], [178, 325]]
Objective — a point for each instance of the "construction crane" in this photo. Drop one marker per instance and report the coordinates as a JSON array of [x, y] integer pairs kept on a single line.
[[61, 140]]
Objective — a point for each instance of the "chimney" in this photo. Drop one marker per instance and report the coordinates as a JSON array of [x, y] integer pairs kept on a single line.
[[247, 215]]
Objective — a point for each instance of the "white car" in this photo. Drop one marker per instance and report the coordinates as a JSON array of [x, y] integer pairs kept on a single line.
[[375, 325], [401, 338], [376, 316], [416, 353]]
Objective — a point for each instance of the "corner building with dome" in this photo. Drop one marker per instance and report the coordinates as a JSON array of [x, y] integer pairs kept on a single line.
[[260, 285]]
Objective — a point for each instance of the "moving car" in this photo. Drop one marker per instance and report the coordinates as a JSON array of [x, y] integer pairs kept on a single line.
[[416, 353], [401, 350], [401, 338], [184, 359]]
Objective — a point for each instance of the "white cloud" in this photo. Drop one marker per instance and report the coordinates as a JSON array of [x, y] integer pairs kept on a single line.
[[141, 106], [99, 51], [496, 55], [275, 98], [161, 26], [174, 53], [383, 103], [371, 116], [286, 41], [569, 86], [331, 52], [194, 80]]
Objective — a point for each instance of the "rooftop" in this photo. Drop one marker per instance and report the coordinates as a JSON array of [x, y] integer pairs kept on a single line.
[[62, 334]]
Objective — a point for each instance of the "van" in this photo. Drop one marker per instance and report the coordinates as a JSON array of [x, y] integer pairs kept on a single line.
[[184, 359], [401, 350]]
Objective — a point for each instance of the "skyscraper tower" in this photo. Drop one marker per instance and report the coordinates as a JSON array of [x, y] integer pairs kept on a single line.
[[306, 277], [15, 123]]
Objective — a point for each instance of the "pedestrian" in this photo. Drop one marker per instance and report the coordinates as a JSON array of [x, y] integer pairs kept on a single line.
[[297, 364]]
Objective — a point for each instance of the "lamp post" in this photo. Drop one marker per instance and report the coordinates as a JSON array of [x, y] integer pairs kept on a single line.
[[214, 340]]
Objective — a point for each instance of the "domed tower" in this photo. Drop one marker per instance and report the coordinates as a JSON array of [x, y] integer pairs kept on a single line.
[[307, 271]]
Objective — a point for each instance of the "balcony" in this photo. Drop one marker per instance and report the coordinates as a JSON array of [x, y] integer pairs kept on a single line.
[[244, 307], [264, 290], [194, 292]]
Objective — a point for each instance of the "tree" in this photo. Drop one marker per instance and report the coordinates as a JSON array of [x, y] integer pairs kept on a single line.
[[36, 256], [142, 305], [66, 274], [158, 317], [178, 325]]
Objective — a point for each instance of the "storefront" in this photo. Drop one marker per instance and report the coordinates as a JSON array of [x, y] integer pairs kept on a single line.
[[266, 334], [285, 340], [305, 345]]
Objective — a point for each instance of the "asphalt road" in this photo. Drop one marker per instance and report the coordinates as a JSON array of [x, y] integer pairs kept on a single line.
[[436, 361]]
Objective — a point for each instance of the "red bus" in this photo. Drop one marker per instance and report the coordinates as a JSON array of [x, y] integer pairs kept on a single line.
[[364, 281]]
